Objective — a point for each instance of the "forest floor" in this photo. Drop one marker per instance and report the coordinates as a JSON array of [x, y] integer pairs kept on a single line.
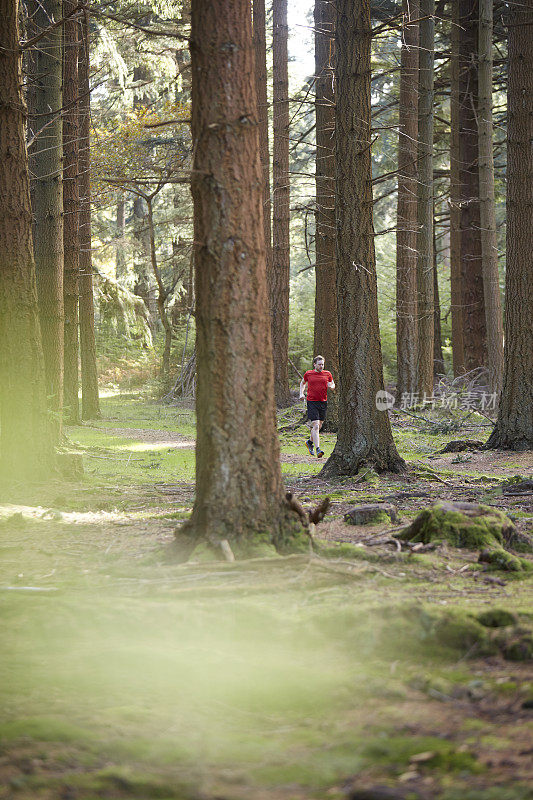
[[369, 674]]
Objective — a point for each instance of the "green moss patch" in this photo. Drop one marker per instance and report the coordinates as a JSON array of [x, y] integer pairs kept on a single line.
[[497, 618], [464, 525], [427, 752]]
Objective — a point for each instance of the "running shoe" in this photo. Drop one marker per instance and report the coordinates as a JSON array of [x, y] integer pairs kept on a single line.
[[310, 447], [319, 453]]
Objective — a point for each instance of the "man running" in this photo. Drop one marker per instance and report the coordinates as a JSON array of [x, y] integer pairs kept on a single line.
[[318, 381]]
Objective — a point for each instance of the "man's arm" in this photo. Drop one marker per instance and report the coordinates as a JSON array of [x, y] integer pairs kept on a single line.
[[331, 383], [303, 384]]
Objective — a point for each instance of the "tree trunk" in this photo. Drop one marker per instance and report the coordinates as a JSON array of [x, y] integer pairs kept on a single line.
[[71, 243], [474, 330], [326, 324], [25, 437], [487, 205], [121, 266], [279, 298], [162, 294], [364, 435], [143, 286], [45, 98], [259, 32], [425, 200], [239, 491], [90, 404], [455, 204], [438, 357], [514, 426], [406, 290]]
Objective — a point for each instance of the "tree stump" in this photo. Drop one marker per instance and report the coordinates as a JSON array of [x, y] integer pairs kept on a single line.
[[473, 527], [371, 514], [461, 445]]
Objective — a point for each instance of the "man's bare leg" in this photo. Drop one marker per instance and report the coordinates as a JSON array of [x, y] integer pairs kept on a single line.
[[315, 433]]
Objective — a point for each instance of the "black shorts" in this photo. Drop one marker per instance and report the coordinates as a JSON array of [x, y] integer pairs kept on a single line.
[[316, 409]]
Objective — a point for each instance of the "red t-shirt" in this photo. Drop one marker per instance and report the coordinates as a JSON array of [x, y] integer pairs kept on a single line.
[[317, 384]]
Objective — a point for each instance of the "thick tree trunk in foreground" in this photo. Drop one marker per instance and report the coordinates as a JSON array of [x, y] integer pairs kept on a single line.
[[261, 77], [474, 330], [25, 438], [487, 205], [326, 324], [90, 404], [514, 427], [455, 204], [279, 298], [425, 200], [406, 289], [71, 242], [45, 99], [364, 435], [239, 491]]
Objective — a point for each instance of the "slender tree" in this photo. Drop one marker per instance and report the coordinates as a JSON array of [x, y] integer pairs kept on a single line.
[[239, 491], [120, 257], [474, 330], [279, 298], [487, 205], [25, 438], [406, 289], [259, 32], [326, 325], [71, 244], [514, 426], [455, 203], [46, 168], [89, 381], [438, 357], [364, 435], [162, 292], [425, 199], [144, 286]]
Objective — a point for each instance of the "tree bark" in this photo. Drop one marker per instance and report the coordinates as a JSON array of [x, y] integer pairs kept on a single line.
[[90, 404], [239, 491], [71, 244], [120, 258], [474, 330], [425, 200], [514, 426], [259, 33], [26, 450], [161, 295], [364, 435], [45, 101], [455, 203], [487, 205], [280, 284], [438, 357], [144, 287], [326, 325], [406, 236]]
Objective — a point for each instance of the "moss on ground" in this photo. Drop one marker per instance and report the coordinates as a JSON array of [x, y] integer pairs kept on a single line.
[[497, 618], [124, 675], [460, 525]]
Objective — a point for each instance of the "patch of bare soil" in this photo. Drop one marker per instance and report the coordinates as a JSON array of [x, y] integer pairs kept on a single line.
[[170, 439], [500, 462]]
